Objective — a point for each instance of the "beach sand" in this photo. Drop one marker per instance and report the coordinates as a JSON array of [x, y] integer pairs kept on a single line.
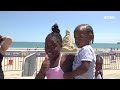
[[111, 74], [16, 75]]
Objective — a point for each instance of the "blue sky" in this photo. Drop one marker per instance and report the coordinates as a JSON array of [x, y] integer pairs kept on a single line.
[[33, 26]]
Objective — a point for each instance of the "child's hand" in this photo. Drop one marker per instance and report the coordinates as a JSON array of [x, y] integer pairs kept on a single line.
[[46, 64]]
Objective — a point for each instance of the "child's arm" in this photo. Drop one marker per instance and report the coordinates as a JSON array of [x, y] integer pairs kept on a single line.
[[41, 74], [80, 70]]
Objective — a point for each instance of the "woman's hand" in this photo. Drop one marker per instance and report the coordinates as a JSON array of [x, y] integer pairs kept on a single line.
[[1, 39]]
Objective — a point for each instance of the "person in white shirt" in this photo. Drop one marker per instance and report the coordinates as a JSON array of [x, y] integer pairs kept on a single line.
[[85, 61]]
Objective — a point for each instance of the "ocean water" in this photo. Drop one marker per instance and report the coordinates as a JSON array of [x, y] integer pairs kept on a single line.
[[27, 45], [42, 44]]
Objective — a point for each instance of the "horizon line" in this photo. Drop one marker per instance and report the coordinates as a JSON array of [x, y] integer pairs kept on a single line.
[[44, 42]]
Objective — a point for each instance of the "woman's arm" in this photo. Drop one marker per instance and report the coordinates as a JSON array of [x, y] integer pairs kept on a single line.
[[5, 43]]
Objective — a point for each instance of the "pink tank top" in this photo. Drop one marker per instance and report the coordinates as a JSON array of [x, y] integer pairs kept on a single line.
[[56, 72]]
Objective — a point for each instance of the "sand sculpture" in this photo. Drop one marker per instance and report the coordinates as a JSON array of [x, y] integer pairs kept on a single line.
[[68, 43]]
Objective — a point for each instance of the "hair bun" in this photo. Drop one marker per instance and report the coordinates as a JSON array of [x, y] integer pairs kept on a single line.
[[55, 28]]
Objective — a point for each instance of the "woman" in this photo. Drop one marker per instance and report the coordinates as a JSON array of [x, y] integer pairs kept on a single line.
[[4, 45]]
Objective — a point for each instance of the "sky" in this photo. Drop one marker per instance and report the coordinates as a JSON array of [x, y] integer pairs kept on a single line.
[[34, 26]]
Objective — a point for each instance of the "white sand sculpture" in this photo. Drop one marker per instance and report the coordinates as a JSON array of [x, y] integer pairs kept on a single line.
[[68, 43]]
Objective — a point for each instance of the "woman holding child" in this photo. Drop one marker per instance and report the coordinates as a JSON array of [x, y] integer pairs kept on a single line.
[[55, 63]]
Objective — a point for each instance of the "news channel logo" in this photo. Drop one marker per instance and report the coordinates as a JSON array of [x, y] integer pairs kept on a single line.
[[109, 17]]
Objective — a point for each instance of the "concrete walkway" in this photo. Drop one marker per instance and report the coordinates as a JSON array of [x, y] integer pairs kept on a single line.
[[111, 74]]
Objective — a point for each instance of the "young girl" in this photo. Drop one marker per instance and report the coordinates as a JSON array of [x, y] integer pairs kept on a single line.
[[99, 71], [85, 60], [55, 63], [4, 45]]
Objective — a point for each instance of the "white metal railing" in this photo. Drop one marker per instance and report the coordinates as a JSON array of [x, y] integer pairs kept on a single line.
[[13, 60]]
